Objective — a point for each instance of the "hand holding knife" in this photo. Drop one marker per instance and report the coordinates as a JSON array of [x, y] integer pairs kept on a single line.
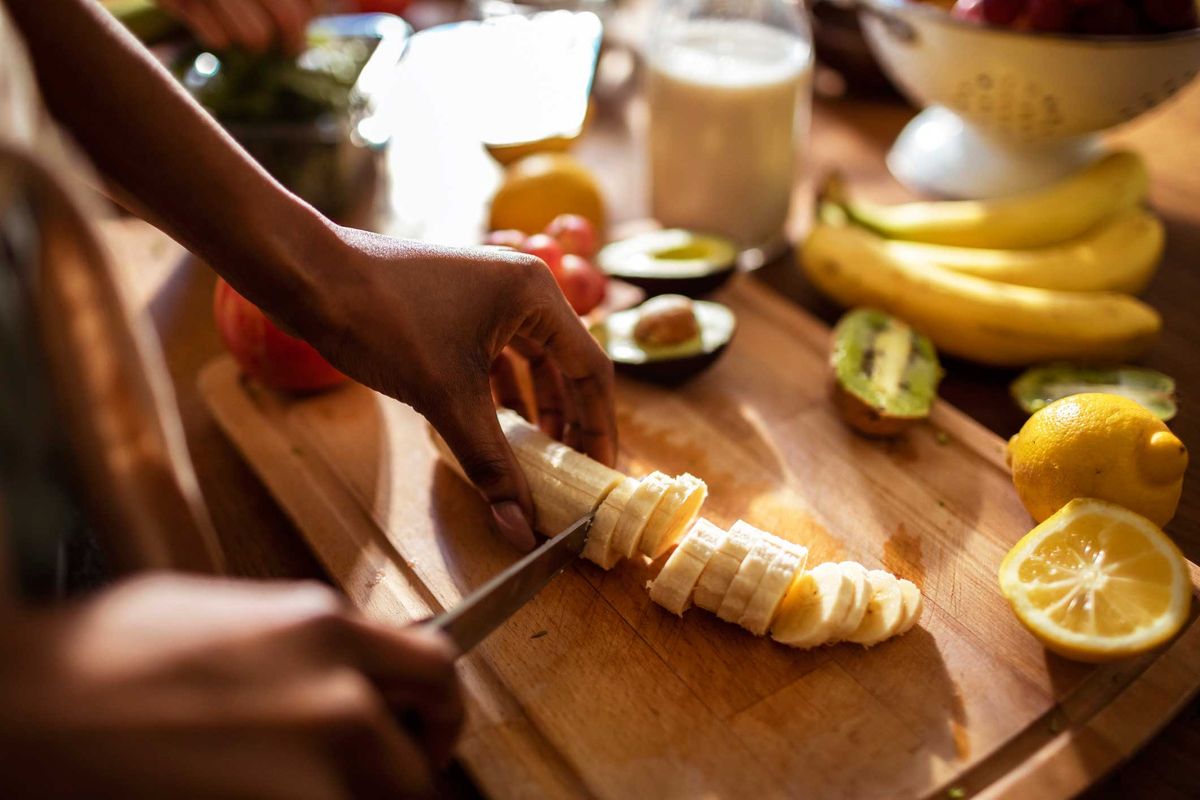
[[486, 608]]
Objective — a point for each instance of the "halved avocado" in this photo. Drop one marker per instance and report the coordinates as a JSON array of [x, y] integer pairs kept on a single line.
[[666, 363], [1040, 386], [673, 261], [885, 373]]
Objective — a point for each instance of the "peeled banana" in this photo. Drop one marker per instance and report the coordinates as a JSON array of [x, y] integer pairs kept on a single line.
[[1054, 214], [813, 610], [744, 575], [967, 316], [776, 581], [673, 515], [723, 567], [672, 589], [1119, 255]]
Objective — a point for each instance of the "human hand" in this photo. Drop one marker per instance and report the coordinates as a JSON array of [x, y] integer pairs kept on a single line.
[[427, 325], [252, 25], [170, 686]]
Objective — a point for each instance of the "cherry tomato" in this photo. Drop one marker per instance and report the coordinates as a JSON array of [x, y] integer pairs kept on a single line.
[[1049, 15], [396, 7], [576, 234], [1002, 12], [263, 351], [583, 285], [547, 249], [506, 238]]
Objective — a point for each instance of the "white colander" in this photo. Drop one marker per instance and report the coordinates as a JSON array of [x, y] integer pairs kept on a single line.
[[1011, 110]]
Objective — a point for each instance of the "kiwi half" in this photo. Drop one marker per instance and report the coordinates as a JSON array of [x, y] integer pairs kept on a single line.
[[1040, 386], [885, 373]]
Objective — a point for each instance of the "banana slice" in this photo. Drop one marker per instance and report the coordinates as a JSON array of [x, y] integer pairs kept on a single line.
[[857, 575], [814, 607], [750, 572], [565, 484], [672, 589], [884, 610], [599, 542], [723, 566], [649, 494], [776, 581], [913, 604], [674, 515]]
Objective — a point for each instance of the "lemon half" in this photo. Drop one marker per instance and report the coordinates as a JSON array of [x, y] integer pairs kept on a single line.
[[1097, 582]]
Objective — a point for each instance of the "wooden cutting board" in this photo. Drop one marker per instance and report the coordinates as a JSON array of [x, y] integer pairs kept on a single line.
[[593, 690]]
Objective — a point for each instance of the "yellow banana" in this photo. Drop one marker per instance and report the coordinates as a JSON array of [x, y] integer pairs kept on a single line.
[[1118, 255], [995, 323], [1052, 215]]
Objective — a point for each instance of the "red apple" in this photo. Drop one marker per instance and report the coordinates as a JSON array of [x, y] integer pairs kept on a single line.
[[583, 285], [506, 238], [547, 249], [265, 352], [576, 234]]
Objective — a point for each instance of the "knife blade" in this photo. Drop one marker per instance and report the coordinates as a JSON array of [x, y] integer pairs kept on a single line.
[[486, 608]]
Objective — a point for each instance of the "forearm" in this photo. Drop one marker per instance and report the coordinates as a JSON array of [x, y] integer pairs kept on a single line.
[[160, 148]]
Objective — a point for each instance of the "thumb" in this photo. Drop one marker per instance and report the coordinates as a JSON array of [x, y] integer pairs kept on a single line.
[[472, 432]]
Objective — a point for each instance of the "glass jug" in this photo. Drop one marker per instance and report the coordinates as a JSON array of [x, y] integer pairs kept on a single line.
[[729, 94]]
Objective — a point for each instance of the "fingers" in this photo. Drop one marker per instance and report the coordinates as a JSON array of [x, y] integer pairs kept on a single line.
[[547, 387], [467, 421], [291, 18], [506, 384], [200, 20], [414, 670], [587, 376], [247, 25], [379, 757]]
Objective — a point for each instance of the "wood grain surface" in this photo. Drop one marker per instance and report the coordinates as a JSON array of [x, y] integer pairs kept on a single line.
[[849, 133], [629, 700]]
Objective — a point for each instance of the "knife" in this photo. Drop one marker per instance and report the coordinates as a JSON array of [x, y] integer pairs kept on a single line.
[[486, 608]]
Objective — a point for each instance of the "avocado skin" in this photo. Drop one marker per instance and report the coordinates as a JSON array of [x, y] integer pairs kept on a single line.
[[670, 372], [698, 286]]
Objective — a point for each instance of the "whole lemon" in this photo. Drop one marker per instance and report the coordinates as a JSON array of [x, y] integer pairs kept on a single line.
[[1098, 445], [538, 188]]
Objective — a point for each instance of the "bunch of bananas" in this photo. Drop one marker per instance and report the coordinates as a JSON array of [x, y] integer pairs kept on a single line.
[[1036, 277]]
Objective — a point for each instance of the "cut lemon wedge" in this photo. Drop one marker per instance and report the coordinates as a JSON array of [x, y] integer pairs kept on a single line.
[[1096, 582]]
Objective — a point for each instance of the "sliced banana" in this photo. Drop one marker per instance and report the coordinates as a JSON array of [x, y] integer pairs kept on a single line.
[[674, 515], [885, 609], [672, 589], [564, 483], [857, 575], [723, 566], [776, 581], [749, 573], [599, 542], [641, 505], [913, 604], [814, 607]]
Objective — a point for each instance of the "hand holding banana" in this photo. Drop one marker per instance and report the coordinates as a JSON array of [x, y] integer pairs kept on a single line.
[[1012, 281]]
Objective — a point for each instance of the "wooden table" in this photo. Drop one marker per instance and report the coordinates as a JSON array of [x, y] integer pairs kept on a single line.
[[851, 134]]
